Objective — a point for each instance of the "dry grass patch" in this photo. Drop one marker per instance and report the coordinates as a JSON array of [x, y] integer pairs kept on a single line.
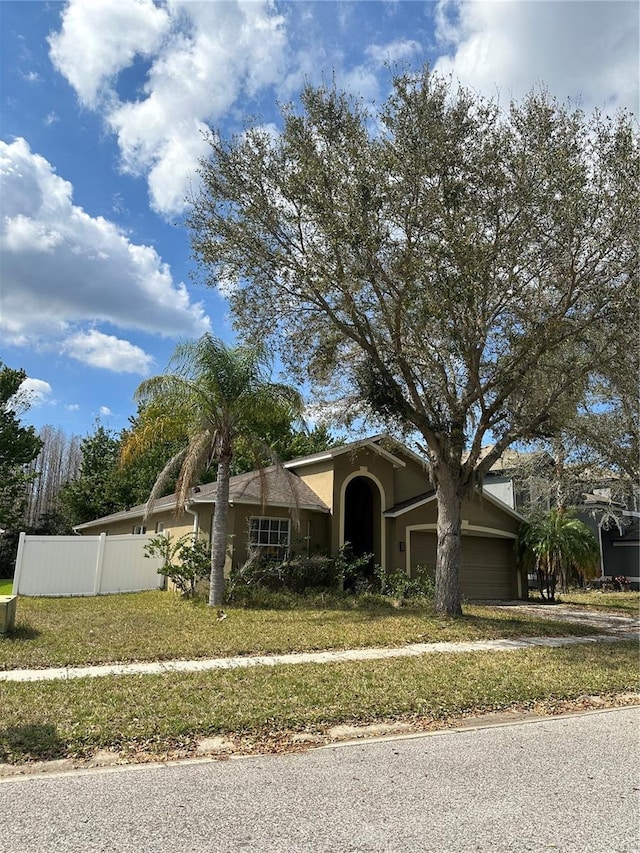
[[162, 626]]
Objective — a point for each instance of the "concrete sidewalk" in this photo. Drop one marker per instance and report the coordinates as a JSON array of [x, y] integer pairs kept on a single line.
[[413, 650]]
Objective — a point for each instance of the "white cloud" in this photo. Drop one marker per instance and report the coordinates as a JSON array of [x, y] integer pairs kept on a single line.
[[36, 392], [399, 50], [97, 40], [99, 350], [72, 407], [202, 57], [105, 410], [587, 51], [63, 266]]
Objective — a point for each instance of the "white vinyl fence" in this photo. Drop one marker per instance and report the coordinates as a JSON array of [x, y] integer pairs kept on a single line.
[[84, 565]]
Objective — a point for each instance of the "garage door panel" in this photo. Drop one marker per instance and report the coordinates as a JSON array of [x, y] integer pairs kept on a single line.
[[488, 569]]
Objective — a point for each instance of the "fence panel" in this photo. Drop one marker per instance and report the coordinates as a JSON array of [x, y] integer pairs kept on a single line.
[[125, 568], [84, 565]]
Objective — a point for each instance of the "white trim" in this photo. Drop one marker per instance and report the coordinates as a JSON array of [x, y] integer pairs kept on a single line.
[[362, 472], [412, 506], [635, 544], [280, 519], [365, 443], [467, 529]]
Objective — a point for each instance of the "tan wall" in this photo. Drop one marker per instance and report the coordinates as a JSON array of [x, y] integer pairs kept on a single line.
[[177, 526], [411, 481], [478, 510], [315, 525], [319, 478]]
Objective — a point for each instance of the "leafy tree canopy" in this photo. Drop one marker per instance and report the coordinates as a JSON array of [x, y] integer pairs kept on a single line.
[[19, 445], [449, 267]]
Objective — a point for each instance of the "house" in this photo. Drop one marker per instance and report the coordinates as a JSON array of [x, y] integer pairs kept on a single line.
[[374, 493], [525, 482]]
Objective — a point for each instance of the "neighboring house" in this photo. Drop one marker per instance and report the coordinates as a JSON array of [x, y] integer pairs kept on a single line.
[[524, 481], [375, 494]]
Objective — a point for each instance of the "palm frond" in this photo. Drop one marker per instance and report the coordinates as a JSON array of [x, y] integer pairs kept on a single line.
[[162, 479], [195, 458]]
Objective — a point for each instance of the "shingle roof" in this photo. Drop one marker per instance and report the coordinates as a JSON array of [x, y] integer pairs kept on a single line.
[[273, 487]]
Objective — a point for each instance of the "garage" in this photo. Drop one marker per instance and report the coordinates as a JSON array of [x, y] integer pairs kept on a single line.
[[488, 564]]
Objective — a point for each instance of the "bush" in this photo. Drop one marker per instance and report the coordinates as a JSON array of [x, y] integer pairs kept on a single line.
[[298, 573], [400, 586], [185, 560]]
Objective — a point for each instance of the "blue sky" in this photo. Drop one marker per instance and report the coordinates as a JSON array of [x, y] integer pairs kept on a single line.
[[101, 107]]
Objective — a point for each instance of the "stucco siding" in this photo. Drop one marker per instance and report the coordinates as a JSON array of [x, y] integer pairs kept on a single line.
[[410, 481], [311, 524], [319, 478], [481, 511]]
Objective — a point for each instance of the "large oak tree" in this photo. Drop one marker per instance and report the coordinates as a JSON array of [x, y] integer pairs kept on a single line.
[[445, 262]]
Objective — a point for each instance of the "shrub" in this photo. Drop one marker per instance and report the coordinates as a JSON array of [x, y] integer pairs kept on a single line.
[[400, 586], [185, 560], [298, 573]]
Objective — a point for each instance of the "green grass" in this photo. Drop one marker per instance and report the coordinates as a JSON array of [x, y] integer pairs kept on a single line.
[[620, 602], [161, 626], [167, 714], [6, 586]]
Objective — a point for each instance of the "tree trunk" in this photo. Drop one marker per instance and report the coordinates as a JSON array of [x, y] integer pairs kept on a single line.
[[448, 598], [219, 534]]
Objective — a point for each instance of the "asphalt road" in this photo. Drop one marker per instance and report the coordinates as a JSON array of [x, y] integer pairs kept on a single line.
[[563, 784]]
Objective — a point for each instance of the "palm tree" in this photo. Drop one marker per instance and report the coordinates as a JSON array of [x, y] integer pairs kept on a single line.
[[556, 545], [213, 394]]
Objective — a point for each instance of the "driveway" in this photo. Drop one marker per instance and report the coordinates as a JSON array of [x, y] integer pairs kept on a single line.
[[601, 620]]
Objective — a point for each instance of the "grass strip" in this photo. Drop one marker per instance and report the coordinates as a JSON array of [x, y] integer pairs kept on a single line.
[[162, 626], [624, 603], [6, 586], [162, 714]]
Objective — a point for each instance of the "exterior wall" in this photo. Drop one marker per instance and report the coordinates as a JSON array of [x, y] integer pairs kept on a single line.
[[363, 463], [319, 478], [501, 488], [410, 481], [488, 556], [314, 525], [177, 526], [620, 557], [479, 512]]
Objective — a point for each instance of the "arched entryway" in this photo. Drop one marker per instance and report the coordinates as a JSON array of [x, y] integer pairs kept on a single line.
[[362, 514]]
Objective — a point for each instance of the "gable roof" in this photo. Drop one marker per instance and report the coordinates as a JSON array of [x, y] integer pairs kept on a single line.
[[379, 444]]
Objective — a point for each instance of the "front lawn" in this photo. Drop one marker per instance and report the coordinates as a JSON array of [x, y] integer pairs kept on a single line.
[[263, 707], [6, 586], [161, 626], [621, 602]]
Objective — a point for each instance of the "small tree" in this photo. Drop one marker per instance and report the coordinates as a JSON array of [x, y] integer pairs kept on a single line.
[[558, 546], [450, 268], [185, 560], [213, 394]]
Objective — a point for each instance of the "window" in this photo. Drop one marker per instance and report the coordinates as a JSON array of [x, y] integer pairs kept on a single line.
[[159, 526], [271, 536], [138, 529]]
